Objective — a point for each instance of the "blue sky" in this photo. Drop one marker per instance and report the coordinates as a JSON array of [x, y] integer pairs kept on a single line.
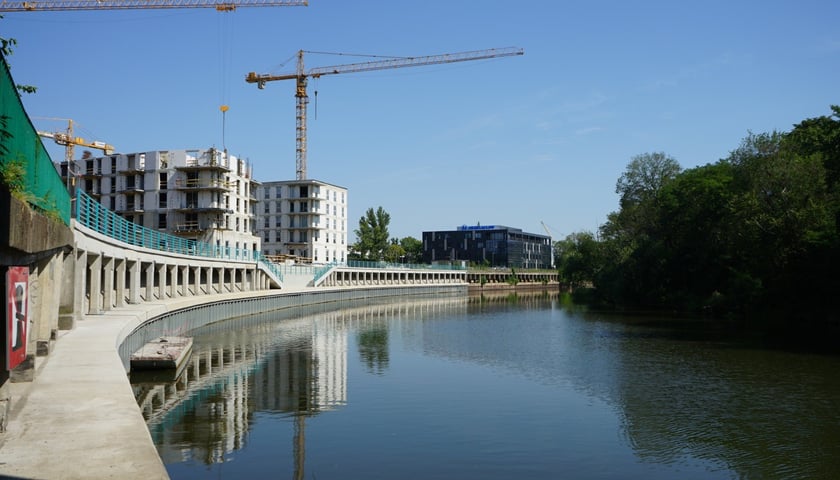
[[512, 141]]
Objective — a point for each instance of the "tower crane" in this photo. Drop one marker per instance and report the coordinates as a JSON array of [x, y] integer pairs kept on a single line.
[[69, 141], [220, 5], [301, 75]]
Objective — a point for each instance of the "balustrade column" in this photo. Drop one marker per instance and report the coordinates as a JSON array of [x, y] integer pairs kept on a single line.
[[95, 293], [208, 280], [185, 280], [134, 282], [120, 282], [161, 276], [80, 270], [108, 287], [174, 292], [150, 281], [197, 280]]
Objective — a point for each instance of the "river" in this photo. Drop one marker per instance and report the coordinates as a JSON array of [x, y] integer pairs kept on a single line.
[[497, 387]]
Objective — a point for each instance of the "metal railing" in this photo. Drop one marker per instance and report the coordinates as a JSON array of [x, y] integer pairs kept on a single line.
[[412, 266], [93, 215]]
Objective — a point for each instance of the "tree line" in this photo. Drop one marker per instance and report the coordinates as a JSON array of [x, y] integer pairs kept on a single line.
[[755, 235]]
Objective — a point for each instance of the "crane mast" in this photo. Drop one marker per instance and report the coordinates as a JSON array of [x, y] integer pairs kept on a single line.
[[301, 75], [221, 5]]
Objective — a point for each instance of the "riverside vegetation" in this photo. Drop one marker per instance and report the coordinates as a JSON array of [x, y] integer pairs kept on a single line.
[[754, 236]]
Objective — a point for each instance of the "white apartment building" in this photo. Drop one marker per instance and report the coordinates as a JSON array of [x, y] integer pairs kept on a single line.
[[204, 195], [303, 220]]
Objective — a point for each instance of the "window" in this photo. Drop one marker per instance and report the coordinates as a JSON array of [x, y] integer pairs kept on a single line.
[[162, 200], [162, 181], [277, 192], [162, 220], [266, 209]]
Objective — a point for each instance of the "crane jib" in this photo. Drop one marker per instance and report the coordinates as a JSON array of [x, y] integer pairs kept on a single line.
[[221, 5]]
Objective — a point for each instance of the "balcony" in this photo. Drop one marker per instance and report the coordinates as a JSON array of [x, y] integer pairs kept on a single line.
[[195, 184]]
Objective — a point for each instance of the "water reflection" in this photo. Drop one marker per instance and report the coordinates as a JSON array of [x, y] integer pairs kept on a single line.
[[290, 363], [505, 385]]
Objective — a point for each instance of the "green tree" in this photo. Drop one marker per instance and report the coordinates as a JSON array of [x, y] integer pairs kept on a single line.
[[578, 259], [645, 176], [413, 249], [372, 234], [394, 253]]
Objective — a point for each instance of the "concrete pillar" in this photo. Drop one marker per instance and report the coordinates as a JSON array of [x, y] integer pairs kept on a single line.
[[161, 276], [243, 283], [196, 280], [80, 270], [221, 282], [174, 282], [232, 279], [185, 280], [150, 281], [134, 282], [95, 293], [120, 272], [208, 280], [108, 284]]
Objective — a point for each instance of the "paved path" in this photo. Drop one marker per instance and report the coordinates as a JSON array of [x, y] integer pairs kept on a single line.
[[79, 419]]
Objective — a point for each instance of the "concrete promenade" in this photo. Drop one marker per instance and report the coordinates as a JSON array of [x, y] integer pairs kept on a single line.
[[79, 419]]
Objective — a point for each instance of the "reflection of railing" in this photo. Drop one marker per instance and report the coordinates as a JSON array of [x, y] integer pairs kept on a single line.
[[93, 215]]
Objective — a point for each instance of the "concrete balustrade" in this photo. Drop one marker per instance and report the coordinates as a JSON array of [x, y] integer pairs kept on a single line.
[[109, 274]]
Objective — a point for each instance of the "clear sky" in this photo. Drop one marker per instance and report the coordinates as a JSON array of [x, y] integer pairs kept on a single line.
[[511, 141]]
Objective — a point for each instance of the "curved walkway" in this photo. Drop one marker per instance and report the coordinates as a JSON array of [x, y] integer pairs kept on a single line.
[[79, 419]]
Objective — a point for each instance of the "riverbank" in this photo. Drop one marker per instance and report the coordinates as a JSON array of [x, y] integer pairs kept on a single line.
[[79, 419]]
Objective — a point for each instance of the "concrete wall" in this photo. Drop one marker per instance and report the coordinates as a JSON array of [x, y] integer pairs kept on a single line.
[[40, 243]]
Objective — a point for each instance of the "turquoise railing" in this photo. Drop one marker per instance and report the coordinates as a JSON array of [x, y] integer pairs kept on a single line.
[[93, 215], [413, 266], [320, 272]]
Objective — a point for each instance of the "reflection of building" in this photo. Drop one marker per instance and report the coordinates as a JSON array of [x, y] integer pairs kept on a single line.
[[497, 246], [292, 362], [204, 195], [303, 219]]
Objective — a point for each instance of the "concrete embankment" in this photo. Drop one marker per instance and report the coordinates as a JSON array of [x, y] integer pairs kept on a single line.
[[79, 419]]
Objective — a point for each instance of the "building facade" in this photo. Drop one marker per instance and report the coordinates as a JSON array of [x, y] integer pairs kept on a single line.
[[303, 220], [204, 195], [493, 245]]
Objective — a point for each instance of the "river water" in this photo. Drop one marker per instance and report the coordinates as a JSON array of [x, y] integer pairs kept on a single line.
[[494, 387]]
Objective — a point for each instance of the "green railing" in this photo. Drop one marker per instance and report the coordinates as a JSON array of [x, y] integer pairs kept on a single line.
[[413, 266], [93, 215], [25, 165]]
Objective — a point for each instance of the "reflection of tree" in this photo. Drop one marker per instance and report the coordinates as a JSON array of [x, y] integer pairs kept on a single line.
[[373, 349]]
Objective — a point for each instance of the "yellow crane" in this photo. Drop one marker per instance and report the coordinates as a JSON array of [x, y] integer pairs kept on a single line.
[[221, 5], [69, 141], [301, 75]]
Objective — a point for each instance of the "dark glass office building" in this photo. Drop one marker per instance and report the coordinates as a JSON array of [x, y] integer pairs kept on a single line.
[[495, 245]]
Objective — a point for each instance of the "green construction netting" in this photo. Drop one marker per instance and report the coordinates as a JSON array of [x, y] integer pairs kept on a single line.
[[23, 155]]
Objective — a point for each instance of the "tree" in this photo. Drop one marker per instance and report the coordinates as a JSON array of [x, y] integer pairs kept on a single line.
[[413, 249], [6, 49], [645, 176], [394, 252], [372, 234]]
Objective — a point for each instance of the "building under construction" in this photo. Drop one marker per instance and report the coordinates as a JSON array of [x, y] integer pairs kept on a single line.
[[205, 195]]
